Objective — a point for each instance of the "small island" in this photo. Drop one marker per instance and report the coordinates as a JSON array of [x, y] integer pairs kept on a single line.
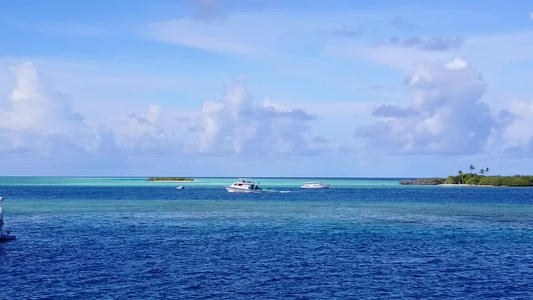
[[473, 179], [171, 179]]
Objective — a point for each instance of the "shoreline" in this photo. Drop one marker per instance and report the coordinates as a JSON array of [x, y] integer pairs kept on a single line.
[[471, 179], [466, 185]]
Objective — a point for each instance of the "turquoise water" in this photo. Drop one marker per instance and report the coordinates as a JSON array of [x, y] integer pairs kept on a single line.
[[198, 182], [109, 238]]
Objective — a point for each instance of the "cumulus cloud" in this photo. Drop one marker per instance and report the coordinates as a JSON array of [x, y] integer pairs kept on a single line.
[[238, 126], [445, 116], [35, 107], [430, 43], [41, 121], [520, 132], [393, 111], [141, 133], [457, 64]]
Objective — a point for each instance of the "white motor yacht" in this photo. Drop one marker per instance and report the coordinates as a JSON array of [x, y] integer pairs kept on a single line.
[[244, 185], [315, 185]]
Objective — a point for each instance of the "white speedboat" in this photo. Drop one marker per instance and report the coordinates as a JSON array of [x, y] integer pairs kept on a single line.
[[4, 236], [244, 185], [181, 187], [315, 185]]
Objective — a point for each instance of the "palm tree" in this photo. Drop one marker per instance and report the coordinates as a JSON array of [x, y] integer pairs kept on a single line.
[[482, 171], [486, 170], [472, 168], [460, 174]]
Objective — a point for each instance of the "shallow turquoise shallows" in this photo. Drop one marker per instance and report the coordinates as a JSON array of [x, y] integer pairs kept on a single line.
[[126, 238]]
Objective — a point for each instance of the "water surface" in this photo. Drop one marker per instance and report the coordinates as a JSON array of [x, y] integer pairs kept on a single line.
[[364, 238]]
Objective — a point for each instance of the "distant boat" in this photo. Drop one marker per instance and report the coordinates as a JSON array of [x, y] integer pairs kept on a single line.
[[181, 187], [4, 236], [315, 185], [244, 185]]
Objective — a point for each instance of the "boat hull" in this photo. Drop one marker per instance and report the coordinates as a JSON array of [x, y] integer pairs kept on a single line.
[[237, 190], [316, 187]]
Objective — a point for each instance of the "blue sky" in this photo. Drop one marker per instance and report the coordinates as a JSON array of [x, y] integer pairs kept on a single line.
[[265, 88]]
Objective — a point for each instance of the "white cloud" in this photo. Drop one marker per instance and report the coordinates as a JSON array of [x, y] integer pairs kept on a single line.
[[446, 115], [531, 16], [492, 51], [41, 121], [238, 126], [141, 134], [457, 64], [520, 134]]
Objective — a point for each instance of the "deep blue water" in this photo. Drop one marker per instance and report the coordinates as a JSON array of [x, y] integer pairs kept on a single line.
[[361, 242]]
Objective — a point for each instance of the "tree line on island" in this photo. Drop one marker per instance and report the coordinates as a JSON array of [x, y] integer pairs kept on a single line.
[[169, 179], [474, 178]]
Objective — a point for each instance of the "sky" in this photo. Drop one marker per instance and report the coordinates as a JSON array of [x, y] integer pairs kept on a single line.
[[265, 88]]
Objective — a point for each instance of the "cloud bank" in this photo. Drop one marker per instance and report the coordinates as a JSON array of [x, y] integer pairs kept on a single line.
[[446, 114], [42, 123]]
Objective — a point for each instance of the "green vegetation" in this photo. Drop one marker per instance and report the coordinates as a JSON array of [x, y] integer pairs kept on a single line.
[[169, 179], [475, 179], [516, 180], [423, 181]]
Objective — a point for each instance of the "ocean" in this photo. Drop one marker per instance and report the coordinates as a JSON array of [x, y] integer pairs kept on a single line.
[[126, 238]]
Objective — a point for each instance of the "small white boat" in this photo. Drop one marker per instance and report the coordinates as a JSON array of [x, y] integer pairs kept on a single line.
[[4, 236], [244, 185], [315, 185], [181, 187]]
